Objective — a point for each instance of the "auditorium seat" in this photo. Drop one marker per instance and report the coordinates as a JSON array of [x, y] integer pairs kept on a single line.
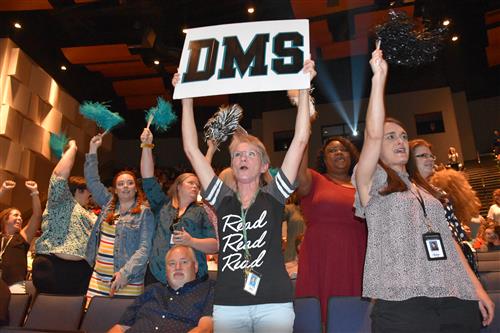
[[104, 312], [348, 314]]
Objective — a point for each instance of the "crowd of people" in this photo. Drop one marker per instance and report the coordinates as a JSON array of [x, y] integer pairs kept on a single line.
[[382, 223]]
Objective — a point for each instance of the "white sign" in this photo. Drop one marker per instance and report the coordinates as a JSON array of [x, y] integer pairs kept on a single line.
[[244, 57]]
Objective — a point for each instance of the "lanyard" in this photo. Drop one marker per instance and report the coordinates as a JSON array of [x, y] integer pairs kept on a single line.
[[244, 226], [2, 248], [420, 200]]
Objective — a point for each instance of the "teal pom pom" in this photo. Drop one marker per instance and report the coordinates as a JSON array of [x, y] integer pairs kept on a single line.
[[162, 115], [57, 144], [100, 113], [273, 171]]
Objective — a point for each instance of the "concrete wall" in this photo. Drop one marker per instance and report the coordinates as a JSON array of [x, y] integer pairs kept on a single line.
[[403, 107], [485, 117]]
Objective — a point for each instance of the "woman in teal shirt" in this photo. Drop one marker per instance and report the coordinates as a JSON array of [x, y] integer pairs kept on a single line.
[[179, 218]]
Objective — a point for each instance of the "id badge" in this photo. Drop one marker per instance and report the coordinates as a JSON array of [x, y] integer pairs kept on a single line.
[[252, 282], [172, 239], [434, 246]]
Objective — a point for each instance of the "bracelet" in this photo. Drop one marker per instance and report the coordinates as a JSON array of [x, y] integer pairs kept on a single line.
[[34, 193], [147, 145]]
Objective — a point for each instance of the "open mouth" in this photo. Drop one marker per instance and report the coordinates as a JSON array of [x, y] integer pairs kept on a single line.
[[400, 151]]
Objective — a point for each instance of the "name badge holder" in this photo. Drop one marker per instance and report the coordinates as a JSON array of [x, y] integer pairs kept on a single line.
[[433, 243]]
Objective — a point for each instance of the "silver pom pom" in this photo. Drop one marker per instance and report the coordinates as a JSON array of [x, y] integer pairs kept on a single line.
[[223, 123]]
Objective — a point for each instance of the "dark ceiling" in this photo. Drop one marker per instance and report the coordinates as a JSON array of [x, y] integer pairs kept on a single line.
[[109, 47]]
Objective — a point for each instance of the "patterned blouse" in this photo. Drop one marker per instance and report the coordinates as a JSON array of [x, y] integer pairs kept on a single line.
[[396, 265], [66, 225]]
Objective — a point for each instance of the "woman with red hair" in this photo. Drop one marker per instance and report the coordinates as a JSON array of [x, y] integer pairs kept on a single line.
[[120, 241]]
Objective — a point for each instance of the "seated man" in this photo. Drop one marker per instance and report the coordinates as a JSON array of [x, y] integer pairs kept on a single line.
[[183, 305]]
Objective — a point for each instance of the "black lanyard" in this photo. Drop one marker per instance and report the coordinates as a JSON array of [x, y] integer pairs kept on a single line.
[[420, 200]]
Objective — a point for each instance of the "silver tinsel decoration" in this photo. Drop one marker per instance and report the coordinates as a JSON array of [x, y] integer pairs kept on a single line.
[[223, 123], [404, 45]]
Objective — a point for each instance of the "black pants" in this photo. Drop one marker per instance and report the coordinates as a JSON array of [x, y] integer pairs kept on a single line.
[[423, 314], [53, 275]]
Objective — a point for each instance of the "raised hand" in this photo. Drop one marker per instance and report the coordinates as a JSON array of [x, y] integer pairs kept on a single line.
[[31, 185], [72, 144], [8, 185], [176, 79], [378, 64], [147, 136], [309, 67], [95, 143]]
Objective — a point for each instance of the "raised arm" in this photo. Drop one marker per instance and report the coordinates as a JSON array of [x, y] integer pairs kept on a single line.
[[201, 166], [300, 139], [100, 193], [147, 163], [7, 185], [304, 176], [65, 164], [209, 155], [28, 232], [374, 130]]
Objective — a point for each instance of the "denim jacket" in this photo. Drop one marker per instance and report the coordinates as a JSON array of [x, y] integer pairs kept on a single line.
[[134, 232], [195, 221]]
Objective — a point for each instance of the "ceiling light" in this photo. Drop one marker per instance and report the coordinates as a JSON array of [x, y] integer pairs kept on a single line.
[[251, 10], [355, 133], [17, 25], [184, 30], [446, 22], [156, 62], [63, 68], [454, 38]]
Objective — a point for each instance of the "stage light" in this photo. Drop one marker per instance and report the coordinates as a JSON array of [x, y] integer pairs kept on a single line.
[[17, 25], [251, 10], [454, 38], [156, 62], [446, 22], [63, 68]]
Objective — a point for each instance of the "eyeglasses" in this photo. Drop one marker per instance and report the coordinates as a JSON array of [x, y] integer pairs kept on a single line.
[[251, 154], [426, 155]]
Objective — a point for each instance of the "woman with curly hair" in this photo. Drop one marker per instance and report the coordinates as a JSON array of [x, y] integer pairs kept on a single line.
[[120, 241], [451, 187], [333, 250]]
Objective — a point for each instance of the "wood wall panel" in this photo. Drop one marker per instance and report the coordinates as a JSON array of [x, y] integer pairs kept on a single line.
[[19, 65], [11, 123]]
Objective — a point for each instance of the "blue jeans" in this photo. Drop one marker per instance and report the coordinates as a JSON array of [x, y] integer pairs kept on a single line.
[[263, 318]]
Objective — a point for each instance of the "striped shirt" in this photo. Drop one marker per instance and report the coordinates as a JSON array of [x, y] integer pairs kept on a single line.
[[100, 281]]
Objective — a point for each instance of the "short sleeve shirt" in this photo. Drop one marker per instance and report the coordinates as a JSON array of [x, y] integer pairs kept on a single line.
[[163, 309], [263, 227], [66, 225], [396, 265]]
